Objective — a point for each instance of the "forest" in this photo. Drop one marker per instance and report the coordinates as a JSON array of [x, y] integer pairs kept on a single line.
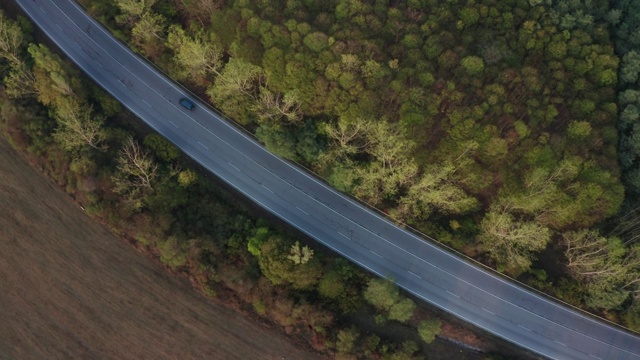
[[506, 129]]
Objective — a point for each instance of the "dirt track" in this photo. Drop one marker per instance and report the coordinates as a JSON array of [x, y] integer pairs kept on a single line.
[[70, 289]]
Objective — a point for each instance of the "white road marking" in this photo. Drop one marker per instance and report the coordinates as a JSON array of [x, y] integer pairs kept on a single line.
[[172, 123], [558, 342], [526, 328], [304, 212], [595, 357], [203, 145], [269, 190], [59, 27], [456, 295], [376, 254], [488, 311], [146, 103], [344, 236], [233, 166], [414, 274]]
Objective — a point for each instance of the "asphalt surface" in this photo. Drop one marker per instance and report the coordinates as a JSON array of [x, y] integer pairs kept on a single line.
[[467, 291]]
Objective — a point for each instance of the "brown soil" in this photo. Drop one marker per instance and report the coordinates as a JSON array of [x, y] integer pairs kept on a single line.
[[71, 289]]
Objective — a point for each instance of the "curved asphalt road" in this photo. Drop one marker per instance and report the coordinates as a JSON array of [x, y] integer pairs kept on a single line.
[[444, 280]]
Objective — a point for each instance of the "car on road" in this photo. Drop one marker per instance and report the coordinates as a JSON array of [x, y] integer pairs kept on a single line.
[[187, 104]]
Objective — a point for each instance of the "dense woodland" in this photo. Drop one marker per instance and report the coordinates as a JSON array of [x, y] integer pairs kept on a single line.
[[507, 129]]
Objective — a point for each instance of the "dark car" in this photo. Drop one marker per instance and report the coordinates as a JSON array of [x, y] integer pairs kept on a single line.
[[188, 104]]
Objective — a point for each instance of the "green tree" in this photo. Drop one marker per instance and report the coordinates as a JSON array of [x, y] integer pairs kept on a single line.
[[280, 269], [382, 293], [162, 148], [558, 48], [579, 130], [630, 68], [260, 236], [346, 340], [316, 41], [385, 296], [331, 285], [402, 310], [473, 65], [172, 253], [447, 60], [279, 140], [187, 178], [469, 16], [429, 329]]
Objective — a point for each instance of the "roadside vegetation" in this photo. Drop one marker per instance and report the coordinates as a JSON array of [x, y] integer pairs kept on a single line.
[[145, 190], [502, 128], [489, 125]]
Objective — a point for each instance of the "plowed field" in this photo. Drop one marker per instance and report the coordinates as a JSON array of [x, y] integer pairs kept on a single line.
[[71, 289]]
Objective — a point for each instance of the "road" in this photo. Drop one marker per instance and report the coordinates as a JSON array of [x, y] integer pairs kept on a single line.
[[455, 285]]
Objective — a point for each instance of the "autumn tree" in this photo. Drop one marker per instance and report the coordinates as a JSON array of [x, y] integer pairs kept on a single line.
[[236, 89], [391, 167], [132, 10], [78, 126], [276, 108], [20, 80], [52, 78], [11, 40], [149, 33], [197, 57], [300, 254], [550, 193], [348, 135], [511, 242], [199, 9], [609, 269], [135, 175], [436, 190]]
